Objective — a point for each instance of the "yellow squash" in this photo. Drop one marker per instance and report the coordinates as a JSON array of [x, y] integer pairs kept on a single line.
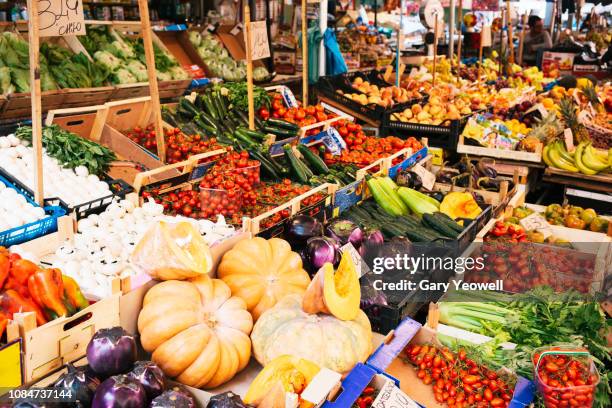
[[460, 205]]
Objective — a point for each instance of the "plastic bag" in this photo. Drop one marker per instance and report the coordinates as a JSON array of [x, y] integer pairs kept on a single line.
[[172, 251]]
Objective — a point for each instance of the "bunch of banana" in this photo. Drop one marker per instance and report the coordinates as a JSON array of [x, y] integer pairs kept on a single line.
[[585, 159]]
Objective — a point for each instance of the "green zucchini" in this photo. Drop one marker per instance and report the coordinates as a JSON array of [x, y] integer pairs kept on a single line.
[[210, 108], [390, 188], [279, 123], [266, 166], [296, 168], [448, 221], [439, 226], [284, 133], [253, 134], [318, 166]]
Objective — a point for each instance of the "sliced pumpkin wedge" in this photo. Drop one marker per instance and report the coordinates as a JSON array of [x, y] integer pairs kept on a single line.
[[334, 292], [293, 373]]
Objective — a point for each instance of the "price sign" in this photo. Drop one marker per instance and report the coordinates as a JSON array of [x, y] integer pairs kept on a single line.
[[360, 266], [427, 177], [569, 139], [485, 36], [392, 397], [538, 223], [259, 40], [333, 141], [288, 97], [61, 17]]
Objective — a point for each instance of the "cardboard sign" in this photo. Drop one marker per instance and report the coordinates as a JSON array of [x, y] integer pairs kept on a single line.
[[427, 177], [259, 40], [288, 97], [333, 141], [485, 36], [569, 139], [538, 223], [360, 266], [390, 396], [59, 17]]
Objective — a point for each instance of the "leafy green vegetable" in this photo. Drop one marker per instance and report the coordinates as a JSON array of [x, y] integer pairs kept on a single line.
[[238, 95], [70, 149], [540, 317]]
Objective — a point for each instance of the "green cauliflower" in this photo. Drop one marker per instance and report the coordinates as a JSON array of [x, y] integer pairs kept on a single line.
[[122, 48], [163, 76], [196, 38], [138, 70], [178, 73], [123, 76], [260, 73], [107, 59]]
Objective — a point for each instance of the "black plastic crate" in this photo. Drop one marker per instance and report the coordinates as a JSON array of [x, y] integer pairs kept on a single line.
[[119, 189], [445, 137], [329, 85]]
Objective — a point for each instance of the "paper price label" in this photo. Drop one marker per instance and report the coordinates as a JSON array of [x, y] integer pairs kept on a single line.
[[59, 17], [360, 266], [392, 397], [259, 40], [427, 177], [236, 30], [535, 222], [288, 97], [569, 140], [211, 28], [333, 141]]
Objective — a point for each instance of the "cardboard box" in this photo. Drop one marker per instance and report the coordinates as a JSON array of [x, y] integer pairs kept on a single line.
[[385, 358], [284, 61]]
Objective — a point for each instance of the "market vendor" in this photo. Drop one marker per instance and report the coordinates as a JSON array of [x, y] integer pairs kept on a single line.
[[536, 39]]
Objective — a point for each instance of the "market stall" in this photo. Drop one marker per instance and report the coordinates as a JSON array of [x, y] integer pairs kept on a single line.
[[188, 231]]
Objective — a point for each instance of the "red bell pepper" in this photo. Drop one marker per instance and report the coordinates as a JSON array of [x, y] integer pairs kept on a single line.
[[12, 302]]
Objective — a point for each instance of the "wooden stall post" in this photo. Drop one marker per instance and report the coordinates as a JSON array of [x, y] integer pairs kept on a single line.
[[249, 58], [510, 42], [435, 52], [33, 38], [522, 39], [304, 55], [460, 20], [143, 8]]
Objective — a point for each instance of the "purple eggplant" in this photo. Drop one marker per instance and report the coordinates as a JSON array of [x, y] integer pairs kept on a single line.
[[345, 231], [81, 382], [120, 391], [175, 397], [111, 351], [150, 376], [226, 400], [320, 250], [301, 228], [372, 244]]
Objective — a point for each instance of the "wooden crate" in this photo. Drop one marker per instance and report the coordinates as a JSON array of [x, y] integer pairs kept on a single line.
[[129, 91], [294, 206], [515, 155], [177, 43], [92, 122], [19, 105], [87, 96], [594, 243], [173, 89], [48, 347]]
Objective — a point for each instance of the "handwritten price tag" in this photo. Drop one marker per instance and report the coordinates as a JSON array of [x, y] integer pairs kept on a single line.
[[391, 396], [427, 177], [538, 223], [569, 139], [259, 40], [61, 17], [360, 266]]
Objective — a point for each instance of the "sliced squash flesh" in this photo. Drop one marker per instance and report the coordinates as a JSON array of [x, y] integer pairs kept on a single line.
[[293, 373], [341, 289]]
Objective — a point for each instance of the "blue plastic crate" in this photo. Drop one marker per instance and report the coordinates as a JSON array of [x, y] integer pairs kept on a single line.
[[32, 230]]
